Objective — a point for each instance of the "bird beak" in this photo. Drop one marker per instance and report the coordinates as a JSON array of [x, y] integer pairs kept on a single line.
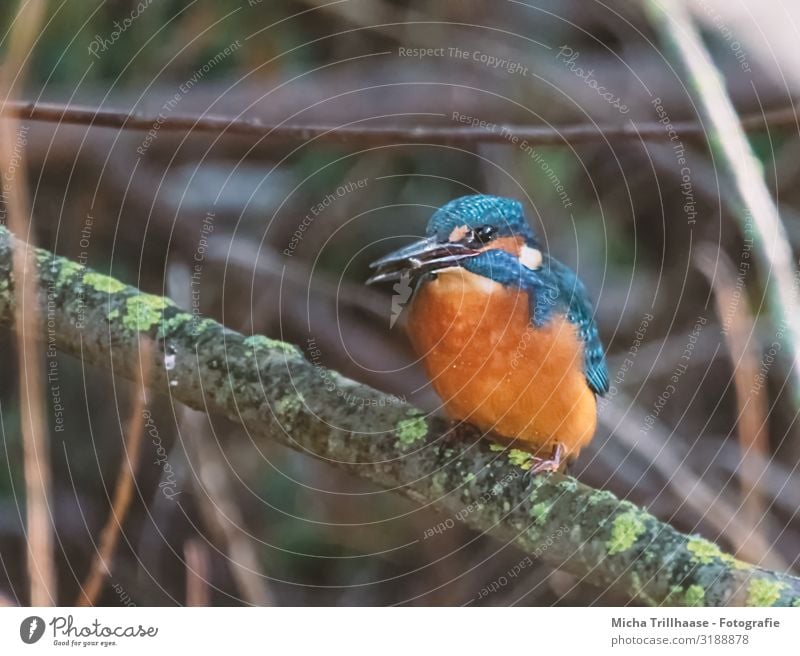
[[423, 256]]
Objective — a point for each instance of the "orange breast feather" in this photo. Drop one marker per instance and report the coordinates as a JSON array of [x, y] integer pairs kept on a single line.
[[494, 369]]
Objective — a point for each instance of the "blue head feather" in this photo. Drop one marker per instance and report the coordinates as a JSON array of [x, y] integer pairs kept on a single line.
[[505, 214]]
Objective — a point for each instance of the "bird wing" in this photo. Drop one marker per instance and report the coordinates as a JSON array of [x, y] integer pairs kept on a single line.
[[574, 300], [553, 286]]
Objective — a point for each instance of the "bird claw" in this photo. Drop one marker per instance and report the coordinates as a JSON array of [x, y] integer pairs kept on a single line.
[[551, 464]]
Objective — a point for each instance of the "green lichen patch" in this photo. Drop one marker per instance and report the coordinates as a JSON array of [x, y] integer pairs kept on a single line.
[[290, 405], [260, 341], [102, 283], [496, 448], [411, 430], [535, 483], [171, 324], [796, 603], [540, 511], [113, 314], [521, 459], [205, 324], [704, 552], [67, 270], [625, 530], [695, 595], [601, 496], [143, 311], [568, 485], [763, 592]]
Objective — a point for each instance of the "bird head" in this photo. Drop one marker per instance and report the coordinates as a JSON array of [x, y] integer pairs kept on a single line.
[[459, 233]]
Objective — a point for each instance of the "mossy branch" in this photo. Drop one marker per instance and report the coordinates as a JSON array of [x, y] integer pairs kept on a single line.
[[270, 388]]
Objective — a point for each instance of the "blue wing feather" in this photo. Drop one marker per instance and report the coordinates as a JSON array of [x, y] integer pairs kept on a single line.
[[552, 287], [574, 300]]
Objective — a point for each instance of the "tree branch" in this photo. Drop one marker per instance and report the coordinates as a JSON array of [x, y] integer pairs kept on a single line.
[[378, 134], [271, 389]]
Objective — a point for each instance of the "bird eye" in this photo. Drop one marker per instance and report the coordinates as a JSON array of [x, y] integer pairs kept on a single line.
[[483, 235]]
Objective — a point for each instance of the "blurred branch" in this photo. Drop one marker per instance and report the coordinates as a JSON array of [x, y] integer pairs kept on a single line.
[[220, 511], [198, 573], [35, 439], [758, 215], [123, 491], [275, 393], [378, 134], [741, 337]]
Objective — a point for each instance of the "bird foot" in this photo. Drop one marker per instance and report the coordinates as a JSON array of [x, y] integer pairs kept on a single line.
[[551, 464]]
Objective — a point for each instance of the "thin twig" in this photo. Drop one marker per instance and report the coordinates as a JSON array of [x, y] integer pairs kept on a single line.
[[198, 570], [220, 511], [758, 215], [378, 134], [36, 443], [123, 492], [741, 337]]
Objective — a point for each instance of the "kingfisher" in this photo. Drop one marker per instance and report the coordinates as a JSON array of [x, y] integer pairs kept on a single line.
[[506, 332]]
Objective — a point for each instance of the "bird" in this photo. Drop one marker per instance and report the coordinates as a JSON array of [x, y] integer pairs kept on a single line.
[[505, 331]]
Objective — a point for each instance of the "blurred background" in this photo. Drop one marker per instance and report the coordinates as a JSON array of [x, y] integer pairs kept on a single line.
[[274, 236]]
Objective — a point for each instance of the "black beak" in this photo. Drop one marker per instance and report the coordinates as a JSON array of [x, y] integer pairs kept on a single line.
[[424, 256]]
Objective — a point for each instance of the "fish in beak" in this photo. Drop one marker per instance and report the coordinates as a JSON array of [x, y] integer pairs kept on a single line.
[[425, 256]]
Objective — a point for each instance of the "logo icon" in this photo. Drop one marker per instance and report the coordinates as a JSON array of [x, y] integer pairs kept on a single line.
[[31, 629]]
